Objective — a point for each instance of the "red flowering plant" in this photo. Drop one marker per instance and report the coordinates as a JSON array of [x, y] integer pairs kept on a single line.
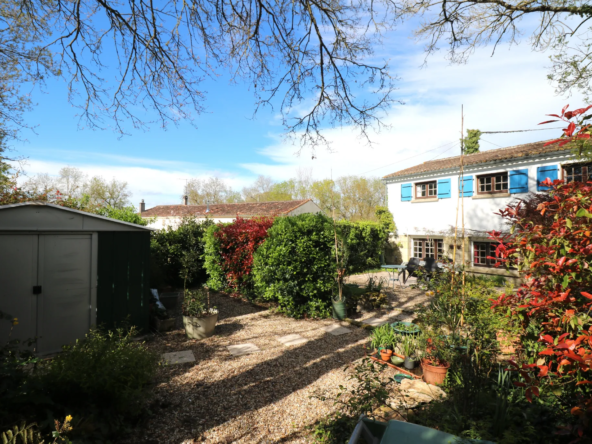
[[552, 247], [238, 242]]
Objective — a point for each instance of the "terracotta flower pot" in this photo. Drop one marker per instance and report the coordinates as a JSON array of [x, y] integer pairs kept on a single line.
[[434, 374], [385, 355]]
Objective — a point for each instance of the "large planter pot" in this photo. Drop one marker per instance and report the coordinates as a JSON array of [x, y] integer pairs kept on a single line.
[[434, 374], [200, 328], [339, 309]]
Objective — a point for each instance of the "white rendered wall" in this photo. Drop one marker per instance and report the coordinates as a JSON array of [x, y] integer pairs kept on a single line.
[[439, 217], [164, 222]]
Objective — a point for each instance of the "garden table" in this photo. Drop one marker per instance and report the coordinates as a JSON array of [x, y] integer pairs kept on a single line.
[[394, 272]]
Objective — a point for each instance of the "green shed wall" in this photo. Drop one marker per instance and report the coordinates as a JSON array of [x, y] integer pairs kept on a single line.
[[123, 290]]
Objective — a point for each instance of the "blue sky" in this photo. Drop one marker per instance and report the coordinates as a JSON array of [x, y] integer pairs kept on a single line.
[[504, 92]]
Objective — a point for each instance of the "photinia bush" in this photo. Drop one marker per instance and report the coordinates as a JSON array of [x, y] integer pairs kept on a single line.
[[235, 245], [552, 247]]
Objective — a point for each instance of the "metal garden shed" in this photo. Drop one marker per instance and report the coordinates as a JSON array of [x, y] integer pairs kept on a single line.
[[63, 271]]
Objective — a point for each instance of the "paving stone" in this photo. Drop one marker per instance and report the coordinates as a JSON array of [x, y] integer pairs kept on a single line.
[[336, 329], [375, 322], [292, 340], [242, 349], [179, 357]]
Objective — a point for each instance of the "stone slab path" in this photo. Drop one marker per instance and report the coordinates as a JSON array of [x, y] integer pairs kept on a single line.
[[336, 330], [180, 357], [292, 340], [375, 322], [243, 349]]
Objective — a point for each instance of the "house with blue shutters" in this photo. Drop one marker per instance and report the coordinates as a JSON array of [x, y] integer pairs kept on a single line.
[[423, 198]]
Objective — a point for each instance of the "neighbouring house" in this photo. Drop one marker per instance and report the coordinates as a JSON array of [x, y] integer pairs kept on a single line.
[[171, 215], [423, 198], [63, 271]]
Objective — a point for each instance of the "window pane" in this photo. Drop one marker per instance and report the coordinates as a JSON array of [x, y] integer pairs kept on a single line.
[[481, 251], [429, 248], [432, 189], [501, 182], [440, 244], [417, 248], [420, 190], [484, 184]]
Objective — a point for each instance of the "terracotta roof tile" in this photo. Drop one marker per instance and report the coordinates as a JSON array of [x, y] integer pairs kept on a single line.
[[250, 209], [512, 152]]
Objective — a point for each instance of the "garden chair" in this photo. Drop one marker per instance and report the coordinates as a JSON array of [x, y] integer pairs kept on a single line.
[[411, 267]]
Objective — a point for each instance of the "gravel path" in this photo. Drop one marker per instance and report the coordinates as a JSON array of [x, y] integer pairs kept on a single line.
[[263, 397]]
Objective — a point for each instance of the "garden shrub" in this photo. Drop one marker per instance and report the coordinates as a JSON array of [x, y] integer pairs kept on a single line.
[[365, 244], [295, 267], [101, 381], [212, 260], [178, 252], [230, 253], [552, 247]]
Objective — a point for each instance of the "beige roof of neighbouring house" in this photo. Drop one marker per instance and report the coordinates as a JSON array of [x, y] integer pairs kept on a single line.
[[250, 209], [512, 152]]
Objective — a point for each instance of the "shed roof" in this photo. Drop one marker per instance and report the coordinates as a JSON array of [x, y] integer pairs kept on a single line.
[[43, 216], [512, 152], [249, 209]]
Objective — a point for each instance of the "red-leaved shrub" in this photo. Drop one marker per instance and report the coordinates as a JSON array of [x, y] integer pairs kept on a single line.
[[552, 247], [238, 242]]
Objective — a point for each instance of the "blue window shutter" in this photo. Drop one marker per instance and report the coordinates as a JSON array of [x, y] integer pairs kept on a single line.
[[405, 192], [466, 186], [444, 188], [549, 171], [519, 181]]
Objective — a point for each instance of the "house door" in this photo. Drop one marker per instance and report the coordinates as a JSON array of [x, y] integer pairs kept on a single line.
[[48, 278]]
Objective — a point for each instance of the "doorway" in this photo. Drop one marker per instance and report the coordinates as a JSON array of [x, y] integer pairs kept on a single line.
[[45, 282]]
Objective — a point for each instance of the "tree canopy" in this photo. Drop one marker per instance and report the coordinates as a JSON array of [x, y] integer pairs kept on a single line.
[[121, 58]]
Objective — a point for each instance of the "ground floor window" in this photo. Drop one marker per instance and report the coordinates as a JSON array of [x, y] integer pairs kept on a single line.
[[481, 252], [426, 248]]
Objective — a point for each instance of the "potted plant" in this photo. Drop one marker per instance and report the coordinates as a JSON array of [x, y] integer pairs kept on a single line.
[[199, 319], [436, 359], [382, 341], [409, 348]]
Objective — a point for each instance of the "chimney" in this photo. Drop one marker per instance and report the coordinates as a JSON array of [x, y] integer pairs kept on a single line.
[[142, 206], [186, 200]]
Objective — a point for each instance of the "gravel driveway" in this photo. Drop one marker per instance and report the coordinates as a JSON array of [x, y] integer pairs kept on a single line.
[[264, 397]]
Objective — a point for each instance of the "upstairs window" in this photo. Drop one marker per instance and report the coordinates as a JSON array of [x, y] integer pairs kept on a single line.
[[493, 183], [426, 189], [425, 248], [577, 173]]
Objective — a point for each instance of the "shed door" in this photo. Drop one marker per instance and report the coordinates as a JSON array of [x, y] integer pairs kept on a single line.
[[61, 266], [63, 309], [18, 275]]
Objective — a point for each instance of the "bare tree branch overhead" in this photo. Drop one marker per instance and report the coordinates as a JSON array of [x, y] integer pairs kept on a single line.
[[310, 58], [559, 25]]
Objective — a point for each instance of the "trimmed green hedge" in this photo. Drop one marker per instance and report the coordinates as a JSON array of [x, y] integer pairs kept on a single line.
[[295, 266], [216, 278], [365, 243], [169, 248]]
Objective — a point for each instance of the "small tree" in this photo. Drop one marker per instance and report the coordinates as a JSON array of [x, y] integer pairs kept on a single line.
[[552, 247]]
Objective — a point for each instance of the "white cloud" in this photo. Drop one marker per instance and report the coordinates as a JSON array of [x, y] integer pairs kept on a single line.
[[508, 91]]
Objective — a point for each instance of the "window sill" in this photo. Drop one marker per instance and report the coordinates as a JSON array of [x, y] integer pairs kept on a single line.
[[431, 199], [490, 195]]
